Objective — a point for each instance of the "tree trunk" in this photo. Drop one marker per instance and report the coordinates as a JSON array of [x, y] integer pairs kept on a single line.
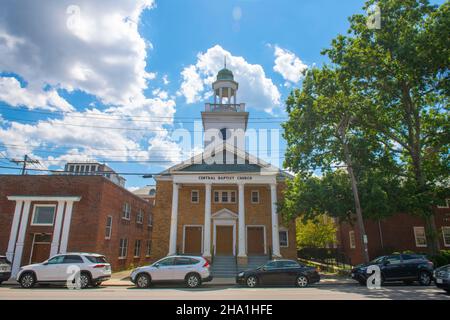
[[359, 217]]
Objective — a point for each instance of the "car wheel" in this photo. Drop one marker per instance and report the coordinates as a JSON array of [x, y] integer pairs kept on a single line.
[[143, 281], [252, 281], [85, 280], [27, 280], [301, 281], [424, 278], [193, 280]]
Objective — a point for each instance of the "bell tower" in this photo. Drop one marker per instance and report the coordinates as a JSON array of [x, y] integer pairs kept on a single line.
[[225, 119]]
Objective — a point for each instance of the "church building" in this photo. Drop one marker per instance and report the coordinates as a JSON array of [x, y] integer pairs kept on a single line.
[[222, 203]]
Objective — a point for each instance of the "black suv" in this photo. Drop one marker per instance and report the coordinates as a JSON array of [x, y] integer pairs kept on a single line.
[[398, 267]]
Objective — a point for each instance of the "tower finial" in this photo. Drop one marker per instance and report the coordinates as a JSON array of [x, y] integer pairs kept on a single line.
[[225, 61]]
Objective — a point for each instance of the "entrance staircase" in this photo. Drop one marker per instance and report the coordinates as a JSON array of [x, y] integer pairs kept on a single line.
[[226, 267]]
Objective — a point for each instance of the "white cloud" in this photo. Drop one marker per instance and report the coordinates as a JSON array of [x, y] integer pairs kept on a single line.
[[255, 89], [13, 94], [288, 65], [96, 49], [99, 52]]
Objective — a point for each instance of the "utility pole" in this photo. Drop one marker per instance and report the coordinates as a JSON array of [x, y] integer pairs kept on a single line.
[[342, 129], [25, 161]]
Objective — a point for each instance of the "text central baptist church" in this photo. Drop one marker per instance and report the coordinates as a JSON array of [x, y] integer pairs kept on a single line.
[[221, 204]]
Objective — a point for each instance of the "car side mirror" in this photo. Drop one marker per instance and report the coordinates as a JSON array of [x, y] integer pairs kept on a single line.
[[156, 265]]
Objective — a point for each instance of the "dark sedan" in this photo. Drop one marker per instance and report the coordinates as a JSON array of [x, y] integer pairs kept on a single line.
[[398, 267], [279, 272], [442, 278]]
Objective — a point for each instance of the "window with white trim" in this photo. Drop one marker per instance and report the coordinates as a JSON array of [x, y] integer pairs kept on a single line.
[[255, 196], [194, 196], [224, 196], [352, 239], [283, 238], [43, 215], [126, 211], [123, 248], [148, 249], [137, 248], [108, 230], [446, 236], [140, 217], [420, 236]]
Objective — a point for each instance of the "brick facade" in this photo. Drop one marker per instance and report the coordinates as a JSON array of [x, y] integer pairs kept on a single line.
[[392, 234], [99, 198], [193, 214]]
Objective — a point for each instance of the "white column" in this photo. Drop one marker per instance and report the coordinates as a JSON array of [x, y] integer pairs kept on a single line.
[[57, 228], [275, 234], [241, 239], [220, 95], [20, 239], [14, 229], [66, 227], [207, 225], [174, 220]]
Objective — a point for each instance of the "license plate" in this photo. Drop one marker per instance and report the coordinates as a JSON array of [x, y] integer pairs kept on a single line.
[[4, 269], [439, 281]]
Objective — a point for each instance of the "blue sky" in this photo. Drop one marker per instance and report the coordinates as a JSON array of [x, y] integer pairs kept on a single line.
[[115, 83]]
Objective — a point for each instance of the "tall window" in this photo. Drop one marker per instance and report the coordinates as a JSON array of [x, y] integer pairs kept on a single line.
[[123, 248], [352, 240], [126, 211], [140, 217], [255, 196], [232, 196], [43, 215], [216, 196], [148, 249], [108, 230], [150, 219], [137, 248], [446, 235], [194, 196], [419, 235], [283, 236]]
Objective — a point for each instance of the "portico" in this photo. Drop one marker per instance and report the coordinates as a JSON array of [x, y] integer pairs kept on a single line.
[[224, 216], [61, 226]]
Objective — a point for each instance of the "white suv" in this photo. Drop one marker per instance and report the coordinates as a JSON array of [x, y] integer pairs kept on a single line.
[[87, 268], [191, 270]]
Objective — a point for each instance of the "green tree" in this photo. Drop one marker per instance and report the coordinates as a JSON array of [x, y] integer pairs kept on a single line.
[[316, 233], [400, 77], [380, 110]]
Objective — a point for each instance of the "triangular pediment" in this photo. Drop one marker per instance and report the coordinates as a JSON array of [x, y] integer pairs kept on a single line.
[[225, 214]]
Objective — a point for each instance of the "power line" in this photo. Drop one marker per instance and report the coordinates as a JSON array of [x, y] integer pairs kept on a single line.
[[25, 161]]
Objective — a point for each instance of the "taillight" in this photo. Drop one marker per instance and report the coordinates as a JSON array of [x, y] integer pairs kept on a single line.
[[206, 264], [99, 266]]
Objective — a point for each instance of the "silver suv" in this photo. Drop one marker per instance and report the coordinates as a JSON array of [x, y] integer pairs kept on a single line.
[[82, 269], [190, 270]]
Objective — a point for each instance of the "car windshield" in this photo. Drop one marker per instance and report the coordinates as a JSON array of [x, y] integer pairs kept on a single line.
[[377, 260], [96, 259]]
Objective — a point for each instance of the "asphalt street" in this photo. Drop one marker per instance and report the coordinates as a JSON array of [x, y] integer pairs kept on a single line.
[[317, 292]]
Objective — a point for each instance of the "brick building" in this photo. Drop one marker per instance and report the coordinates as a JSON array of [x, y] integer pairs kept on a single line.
[[222, 202], [42, 215], [399, 232]]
